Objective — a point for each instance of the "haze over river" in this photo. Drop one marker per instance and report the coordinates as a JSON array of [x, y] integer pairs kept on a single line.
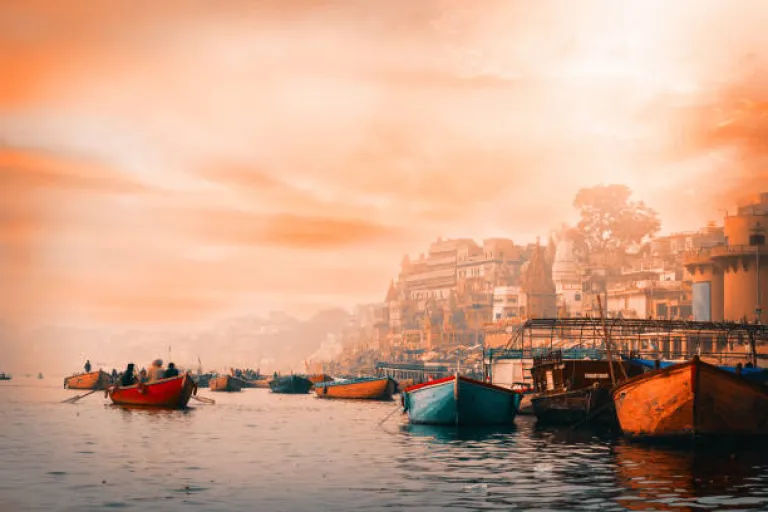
[[255, 450]]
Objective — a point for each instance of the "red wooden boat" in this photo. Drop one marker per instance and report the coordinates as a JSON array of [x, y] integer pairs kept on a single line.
[[691, 399], [172, 393]]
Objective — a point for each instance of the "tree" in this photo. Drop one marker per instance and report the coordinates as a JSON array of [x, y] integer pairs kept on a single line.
[[610, 221]]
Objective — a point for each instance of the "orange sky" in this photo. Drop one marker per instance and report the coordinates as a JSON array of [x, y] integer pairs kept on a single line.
[[167, 165]]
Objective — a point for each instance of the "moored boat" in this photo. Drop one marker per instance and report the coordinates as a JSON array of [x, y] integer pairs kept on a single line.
[[319, 377], [290, 384], [5, 376], [262, 382], [570, 391], [752, 374], [91, 380], [172, 393], [375, 388], [458, 400], [691, 399], [225, 383]]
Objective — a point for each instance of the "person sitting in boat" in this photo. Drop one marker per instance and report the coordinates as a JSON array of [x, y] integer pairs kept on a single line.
[[156, 371], [88, 366], [114, 374], [172, 371], [143, 375], [129, 376]]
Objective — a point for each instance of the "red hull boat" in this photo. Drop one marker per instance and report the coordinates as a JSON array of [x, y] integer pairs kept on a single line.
[[173, 393]]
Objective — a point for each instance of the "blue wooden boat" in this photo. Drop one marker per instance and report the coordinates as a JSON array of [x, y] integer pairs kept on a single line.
[[458, 400], [290, 384], [754, 375]]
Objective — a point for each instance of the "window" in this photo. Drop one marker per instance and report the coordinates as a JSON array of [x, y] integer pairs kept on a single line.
[[577, 297]]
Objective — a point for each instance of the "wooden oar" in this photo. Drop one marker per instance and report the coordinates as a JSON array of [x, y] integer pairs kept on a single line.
[[204, 399], [78, 397]]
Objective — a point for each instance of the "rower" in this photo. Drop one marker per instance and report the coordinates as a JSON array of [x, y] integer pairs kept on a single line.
[[88, 366]]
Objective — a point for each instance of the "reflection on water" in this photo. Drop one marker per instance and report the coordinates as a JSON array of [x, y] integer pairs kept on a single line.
[[258, 451], [662, 477]]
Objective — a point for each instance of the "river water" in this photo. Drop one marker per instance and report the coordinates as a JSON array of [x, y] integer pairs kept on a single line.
[[255, 450]]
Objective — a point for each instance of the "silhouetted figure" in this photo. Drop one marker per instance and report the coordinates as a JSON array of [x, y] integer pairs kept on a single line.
[[749, 365], [171, 371], [739, 366], [114, 375], [657, 364], [129, 377], [88, 366], [143, 375]]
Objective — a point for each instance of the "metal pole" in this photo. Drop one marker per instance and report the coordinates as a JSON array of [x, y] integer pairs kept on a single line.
[[758, 309]]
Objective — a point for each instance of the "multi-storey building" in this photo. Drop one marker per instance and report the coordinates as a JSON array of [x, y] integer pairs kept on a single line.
[[730, 280]]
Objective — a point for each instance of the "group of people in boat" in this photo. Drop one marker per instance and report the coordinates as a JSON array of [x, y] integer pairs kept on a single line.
[[156, 372]]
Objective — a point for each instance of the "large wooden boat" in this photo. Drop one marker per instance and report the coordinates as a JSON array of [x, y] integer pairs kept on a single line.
[[691, 399], [91, 380], [570, 391], [752, 374], [172, 393], [376, 388], [226, 383], [458, 400], [291, 384]]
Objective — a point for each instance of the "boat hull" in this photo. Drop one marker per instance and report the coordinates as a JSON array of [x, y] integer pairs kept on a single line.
[[91, 380], [226, 383], [291, 385], [363, 389], [460, 401], [173, 393], [592, 404], [689, 400]]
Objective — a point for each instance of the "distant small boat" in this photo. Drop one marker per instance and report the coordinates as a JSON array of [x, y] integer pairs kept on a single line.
[[458, 400], [319, 377], [291, 384], [226, 383], [172, 393], [202, 379], [91, 380], [691, 399], [40, 375], [376, 388], [5, 376], [262, 382]]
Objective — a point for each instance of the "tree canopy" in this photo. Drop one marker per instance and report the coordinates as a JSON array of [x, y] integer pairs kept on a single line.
[[610, 221]]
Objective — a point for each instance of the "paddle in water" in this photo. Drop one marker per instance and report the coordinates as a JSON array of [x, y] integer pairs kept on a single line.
[[78, 397], [203, 399]]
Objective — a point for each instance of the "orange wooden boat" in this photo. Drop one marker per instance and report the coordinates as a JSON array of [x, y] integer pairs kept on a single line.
[[91, 380], [691, 399], [172, 393], [368, 388], [226, 383]]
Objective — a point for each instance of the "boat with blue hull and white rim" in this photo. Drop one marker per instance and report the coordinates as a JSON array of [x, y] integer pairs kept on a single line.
[[458, 400]]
